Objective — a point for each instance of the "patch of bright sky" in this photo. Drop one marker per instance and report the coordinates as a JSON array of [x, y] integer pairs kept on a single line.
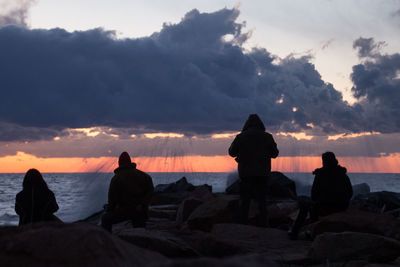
[[352, 135]]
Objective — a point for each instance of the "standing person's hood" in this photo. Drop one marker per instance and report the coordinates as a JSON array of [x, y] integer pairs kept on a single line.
[[334, 169], [253, 122], [125, 167]]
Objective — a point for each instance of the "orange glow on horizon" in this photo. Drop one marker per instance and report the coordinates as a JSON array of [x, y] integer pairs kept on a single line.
[[21, 162]]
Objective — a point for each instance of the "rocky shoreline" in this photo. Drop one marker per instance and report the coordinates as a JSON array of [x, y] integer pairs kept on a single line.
[[191, 226]]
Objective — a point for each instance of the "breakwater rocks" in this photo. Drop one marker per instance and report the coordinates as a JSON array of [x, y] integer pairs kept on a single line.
[[191, 226]]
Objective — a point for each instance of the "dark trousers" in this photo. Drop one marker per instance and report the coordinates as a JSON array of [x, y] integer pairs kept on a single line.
[[111, 217], [253, 188], [315, 210]]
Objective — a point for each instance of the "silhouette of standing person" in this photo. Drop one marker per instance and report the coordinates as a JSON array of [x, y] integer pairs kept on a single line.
[[253, 149], [129, 195], [330, 193], [36, 202]]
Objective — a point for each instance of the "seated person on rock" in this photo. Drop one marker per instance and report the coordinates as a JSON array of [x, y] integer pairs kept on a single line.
[[331, 192], [36, 202], [129, 195]]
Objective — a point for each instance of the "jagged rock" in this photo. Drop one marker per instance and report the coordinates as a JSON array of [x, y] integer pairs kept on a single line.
[[378, 201], [281, 213], [186, 208], [79, 244], [164, 243], [354, 220], [253, 260], [163, 211], [354, 246], [278, 186], [271, 242], [362, 188], [174, 193], [225, 209], [200, 195], [221, 209]]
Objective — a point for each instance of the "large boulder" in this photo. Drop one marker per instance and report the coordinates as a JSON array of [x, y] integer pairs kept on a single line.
[[362, 188], [174, 193], [281, 186], [162, 242], [345, 246], [181, 185], [225, 209], [200, 195], [80, 244], [221, 209], [278, 186], [271, 242], [378, 201], [252, 260], [163, 211], [354, 220]]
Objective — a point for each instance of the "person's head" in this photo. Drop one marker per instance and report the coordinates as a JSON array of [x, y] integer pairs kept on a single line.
[[254, 122], [33, 179], [329, 160], [124, 159]]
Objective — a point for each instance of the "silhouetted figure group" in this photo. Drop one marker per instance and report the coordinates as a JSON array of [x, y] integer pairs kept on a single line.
[[130, 189], [253, 149], [129, 197]]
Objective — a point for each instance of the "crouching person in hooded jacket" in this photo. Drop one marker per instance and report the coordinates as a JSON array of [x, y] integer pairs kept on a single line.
[[129, 195], [331, 192]]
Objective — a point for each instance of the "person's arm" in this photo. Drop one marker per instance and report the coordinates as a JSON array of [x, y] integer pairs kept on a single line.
[[274, 152], [149, 190], [348, 187], [18, 207], [315, 190], [52, 204], [234, 148], [112, 194]]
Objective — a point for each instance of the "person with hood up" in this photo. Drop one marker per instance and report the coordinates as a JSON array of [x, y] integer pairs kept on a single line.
[[330, 193], [129, 195], [253, 149], [36, 202]]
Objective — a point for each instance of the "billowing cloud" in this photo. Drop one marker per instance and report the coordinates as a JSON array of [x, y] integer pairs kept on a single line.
[[14, 12], [377, 86], [189, 78]]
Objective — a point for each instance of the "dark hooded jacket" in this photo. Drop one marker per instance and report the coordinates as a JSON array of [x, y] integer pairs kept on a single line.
[[35, 204], [253, 149], [332, 187], [130, 191]]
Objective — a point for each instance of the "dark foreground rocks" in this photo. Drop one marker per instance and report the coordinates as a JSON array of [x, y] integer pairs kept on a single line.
[[355, 220], [57, 244], [199, 228]]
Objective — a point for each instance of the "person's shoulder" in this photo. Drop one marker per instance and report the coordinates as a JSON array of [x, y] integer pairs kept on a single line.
[[142, 173], [267, 134], [20, 195], [318, 171], [341, 169]]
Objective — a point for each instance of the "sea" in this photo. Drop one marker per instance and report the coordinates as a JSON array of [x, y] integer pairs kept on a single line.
[[81, 194]]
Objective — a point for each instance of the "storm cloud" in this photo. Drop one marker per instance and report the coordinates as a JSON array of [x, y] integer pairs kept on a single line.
[[377, 86], [193, 77]]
